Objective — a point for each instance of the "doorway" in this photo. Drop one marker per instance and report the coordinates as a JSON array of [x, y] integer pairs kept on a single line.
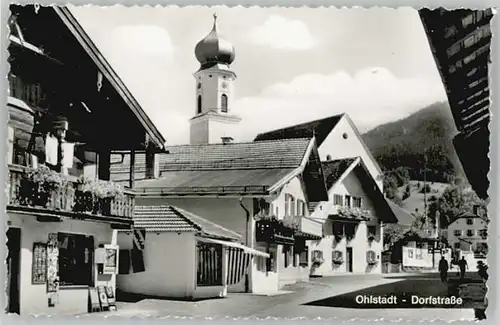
[[349, 259], [13, 268]]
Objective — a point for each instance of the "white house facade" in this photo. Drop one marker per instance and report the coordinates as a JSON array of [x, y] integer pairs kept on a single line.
[[259, 190], [353, 221]]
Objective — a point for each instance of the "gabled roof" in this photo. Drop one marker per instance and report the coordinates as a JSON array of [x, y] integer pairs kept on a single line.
[[167, 218], [279, 154], [319, 129], [471, 215], [334, 169], [369, 185], [257, 168], [105, 68], [405, 218]]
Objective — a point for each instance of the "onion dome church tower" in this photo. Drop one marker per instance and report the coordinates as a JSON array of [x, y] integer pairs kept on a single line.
[[213, 121]]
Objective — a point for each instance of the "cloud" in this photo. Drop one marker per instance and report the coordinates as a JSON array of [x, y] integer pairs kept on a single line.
[[281, 33], [371, 97], [145, 39]]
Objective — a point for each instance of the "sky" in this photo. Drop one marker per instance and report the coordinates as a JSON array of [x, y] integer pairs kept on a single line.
[[293, 64]]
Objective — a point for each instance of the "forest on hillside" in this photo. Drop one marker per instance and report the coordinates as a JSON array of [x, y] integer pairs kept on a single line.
[[404, 147]]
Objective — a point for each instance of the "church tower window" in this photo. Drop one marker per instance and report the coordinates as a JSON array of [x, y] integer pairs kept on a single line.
[[199, 104], [223, 101]]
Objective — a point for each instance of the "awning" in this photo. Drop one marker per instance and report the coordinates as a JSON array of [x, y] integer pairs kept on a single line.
[[235, 245]]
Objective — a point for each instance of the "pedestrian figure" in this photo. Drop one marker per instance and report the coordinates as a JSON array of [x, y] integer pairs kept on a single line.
[[443, 269], [462, 264]]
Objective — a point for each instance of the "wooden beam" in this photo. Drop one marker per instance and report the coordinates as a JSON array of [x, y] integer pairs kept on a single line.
[[104, 164], [132, 169]]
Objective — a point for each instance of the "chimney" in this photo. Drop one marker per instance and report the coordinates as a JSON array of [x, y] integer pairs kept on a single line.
[[152, 165], [226, 140]]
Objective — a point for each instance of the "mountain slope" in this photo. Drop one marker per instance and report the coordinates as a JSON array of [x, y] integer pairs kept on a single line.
[[403, 143]]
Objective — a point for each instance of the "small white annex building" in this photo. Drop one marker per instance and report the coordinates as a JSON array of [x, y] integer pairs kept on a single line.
[[176, 254]]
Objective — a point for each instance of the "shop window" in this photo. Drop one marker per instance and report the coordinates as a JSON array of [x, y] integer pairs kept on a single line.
[[261, 263], [271, 262], [75, 259], [456, 245], [304, 257], [209, 261]]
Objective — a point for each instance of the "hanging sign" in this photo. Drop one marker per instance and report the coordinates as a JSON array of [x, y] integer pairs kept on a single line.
[[139, 239], [39, 264], [52, 264], [111, 259]]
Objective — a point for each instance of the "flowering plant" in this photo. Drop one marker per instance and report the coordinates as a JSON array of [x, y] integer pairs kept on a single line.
[[46, 178], [317, 261], [354, 212], [371, 258], [100, 188], [337, 258]]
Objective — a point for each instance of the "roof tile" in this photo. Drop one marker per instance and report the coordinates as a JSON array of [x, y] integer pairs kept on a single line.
[[167, 218], [317, 128], [333, 169]]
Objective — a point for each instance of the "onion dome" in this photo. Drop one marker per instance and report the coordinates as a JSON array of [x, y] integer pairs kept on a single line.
[[213, 49]]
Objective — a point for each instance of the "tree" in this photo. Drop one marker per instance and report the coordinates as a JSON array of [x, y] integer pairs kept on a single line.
[[407, 192], [393, 233], [455, 200]]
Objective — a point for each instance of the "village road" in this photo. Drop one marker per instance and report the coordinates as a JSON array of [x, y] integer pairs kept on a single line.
[[327, 297]]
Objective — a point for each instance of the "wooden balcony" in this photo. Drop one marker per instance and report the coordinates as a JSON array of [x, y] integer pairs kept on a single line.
[[52, 203], [274, 231]]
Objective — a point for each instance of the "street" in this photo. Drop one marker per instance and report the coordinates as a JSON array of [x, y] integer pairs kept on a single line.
[[320, 298]]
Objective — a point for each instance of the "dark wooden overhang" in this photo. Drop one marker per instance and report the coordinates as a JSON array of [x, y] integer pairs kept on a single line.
[[460, 42], [46, 215], [106, 117]]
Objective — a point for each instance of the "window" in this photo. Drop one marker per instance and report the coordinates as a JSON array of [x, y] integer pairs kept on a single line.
[[75, 259], [457, 232], [223, 103], [292, 206], [287, 205], [470, 221], [301, 208], [356, 202], [261, 263], [287, 253], [456, 245], [277, 212], [304, 257], [470, 232], [209, 262], [338, 229], [10, 144], [338, 200], [295, 259], [271, 263], [372, 231], [199, 104], [347, 201]]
